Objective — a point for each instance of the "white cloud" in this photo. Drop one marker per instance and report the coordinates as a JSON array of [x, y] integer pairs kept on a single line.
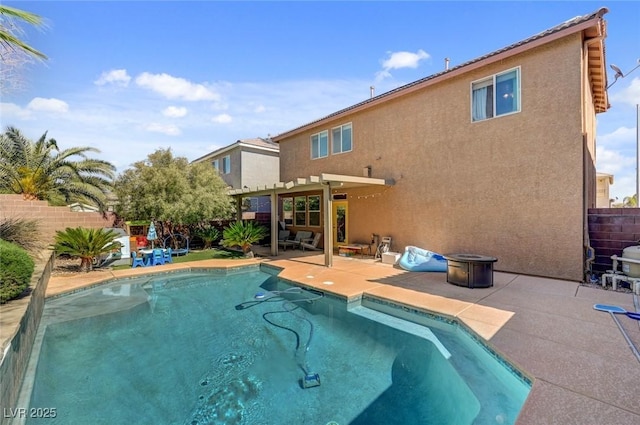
[[399, 60], [259, 109], [619, 136], [11, 111], [175, 111], [117, 120], [629, 95], [175, 88], [222, 119], [115, 76], [169, 130], [48, 105], [612, 162]]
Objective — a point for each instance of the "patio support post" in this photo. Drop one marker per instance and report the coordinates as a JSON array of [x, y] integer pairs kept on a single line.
[[274, 223], [328, 225], [239, 208]]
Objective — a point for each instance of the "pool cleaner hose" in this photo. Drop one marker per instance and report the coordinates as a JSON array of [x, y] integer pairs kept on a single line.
[[310, 379]]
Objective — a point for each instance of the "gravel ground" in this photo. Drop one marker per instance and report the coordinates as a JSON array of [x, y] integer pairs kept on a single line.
[[69, 266]]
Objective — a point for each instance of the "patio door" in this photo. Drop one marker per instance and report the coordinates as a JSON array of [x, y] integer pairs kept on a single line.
[[340, 223]]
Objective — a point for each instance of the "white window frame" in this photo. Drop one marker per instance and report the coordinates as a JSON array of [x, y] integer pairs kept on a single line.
[[337, 146], [492, 83], [226, 164], [321, 138], [314, 215], [300, 211], [216, 164]]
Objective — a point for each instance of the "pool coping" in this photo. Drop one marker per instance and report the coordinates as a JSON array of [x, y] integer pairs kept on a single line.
[[581, 366]]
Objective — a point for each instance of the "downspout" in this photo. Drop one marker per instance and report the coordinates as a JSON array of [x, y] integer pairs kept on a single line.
[[588, 251], [274, 223]]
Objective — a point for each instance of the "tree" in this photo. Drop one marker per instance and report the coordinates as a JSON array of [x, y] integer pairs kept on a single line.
[[630, 201], [86, 244], [14, 53], [172, 192], [40, 171], [243, 234]]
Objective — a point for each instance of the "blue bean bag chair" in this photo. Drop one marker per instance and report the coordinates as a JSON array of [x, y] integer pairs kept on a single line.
[[417, 259]]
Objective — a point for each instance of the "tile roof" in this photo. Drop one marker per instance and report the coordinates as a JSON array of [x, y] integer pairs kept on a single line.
[[257, 142], [574, 24]]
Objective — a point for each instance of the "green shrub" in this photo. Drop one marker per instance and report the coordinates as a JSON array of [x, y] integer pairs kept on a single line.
[[243, 234], [208, 234], [16, 268]]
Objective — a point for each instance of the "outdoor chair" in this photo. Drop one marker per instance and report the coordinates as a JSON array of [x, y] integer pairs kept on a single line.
[[313, 245], [137, 261], [157, 257], [283, 239], [167, 256], [301, 236]]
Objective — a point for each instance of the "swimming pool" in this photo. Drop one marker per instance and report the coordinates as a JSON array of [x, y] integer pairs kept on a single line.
[[225, 348]]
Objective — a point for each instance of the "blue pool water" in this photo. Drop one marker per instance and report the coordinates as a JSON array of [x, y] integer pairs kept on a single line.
[[201, 348]]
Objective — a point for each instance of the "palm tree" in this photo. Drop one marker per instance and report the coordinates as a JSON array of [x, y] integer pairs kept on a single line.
[[40, 171], [208, 234], [7, 37], [243, 234], [85, 243], [15, 53], [630, 201]]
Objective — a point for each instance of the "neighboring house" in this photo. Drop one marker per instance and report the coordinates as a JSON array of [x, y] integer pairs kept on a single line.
[[603, 182], [495, 156], [247, 163], [79, 207]]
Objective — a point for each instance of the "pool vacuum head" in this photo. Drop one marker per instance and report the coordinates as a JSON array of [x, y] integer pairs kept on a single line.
[[311, 380]]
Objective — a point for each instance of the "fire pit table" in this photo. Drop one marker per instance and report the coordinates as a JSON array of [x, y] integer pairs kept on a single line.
[[470, 270]]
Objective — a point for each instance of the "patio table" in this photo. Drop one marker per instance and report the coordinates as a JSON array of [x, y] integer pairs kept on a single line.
[[358, 247]]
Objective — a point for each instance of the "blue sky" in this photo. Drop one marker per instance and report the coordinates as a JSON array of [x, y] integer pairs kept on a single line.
[[131, 77]]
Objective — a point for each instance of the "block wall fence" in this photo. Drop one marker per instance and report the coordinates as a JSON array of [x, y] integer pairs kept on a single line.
[[50, 219], [610, 231]]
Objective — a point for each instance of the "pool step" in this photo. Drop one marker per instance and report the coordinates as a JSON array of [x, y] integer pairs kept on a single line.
[[401, 325]]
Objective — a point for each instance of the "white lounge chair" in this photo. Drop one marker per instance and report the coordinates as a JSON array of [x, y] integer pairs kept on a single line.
[[314, 244]]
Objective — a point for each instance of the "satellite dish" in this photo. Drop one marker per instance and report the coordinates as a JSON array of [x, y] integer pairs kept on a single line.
[[617, 71]]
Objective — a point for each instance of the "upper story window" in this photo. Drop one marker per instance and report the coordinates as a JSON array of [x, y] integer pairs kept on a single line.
[[216, 164], [320, 145], [226, 164], [341, 139], [496, 95]]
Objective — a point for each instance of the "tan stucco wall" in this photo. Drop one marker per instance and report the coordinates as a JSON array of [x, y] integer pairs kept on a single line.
[[510, 187]]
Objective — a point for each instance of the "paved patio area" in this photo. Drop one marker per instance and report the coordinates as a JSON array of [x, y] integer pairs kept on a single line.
[[583, 369]]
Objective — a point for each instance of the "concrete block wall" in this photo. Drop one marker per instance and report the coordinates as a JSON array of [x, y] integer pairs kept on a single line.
[[51, 219], [19, 321], [610, 231]]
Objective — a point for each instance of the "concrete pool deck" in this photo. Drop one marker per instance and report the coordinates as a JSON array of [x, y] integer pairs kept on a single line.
[[583, 369]]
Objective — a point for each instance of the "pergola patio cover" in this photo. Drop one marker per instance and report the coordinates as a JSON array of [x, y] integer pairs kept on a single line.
[[324, 182]]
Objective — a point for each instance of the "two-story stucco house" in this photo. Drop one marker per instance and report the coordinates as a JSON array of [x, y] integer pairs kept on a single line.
[[495, 156], [247, 163]]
